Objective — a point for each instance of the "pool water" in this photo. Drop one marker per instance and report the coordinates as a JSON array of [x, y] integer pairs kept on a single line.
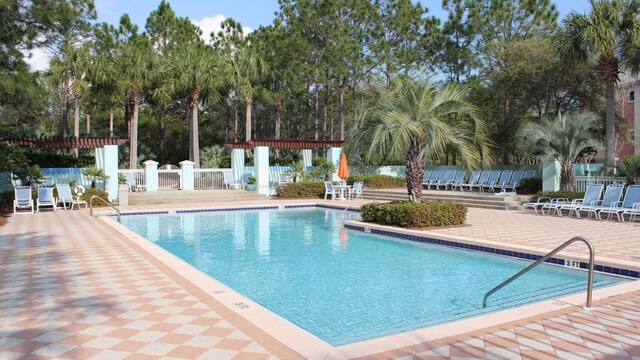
[[343, 285]]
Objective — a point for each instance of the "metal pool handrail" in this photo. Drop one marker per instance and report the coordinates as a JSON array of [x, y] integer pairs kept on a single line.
[[104, 201], [592, 254]]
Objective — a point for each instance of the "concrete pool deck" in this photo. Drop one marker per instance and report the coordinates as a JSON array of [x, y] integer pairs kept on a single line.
[[72, 287]]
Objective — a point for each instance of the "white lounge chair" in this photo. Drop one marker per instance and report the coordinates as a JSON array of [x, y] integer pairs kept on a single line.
[[45, 198], [329, 190], [65, 196], [356, 190], [22, 200], [611, 197], [632, 213], [475, 175], [631, 201], [131, 183], [591, 197], [228, 181], [543, 201]]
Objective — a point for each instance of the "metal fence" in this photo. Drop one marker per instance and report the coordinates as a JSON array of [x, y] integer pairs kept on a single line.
[[208, 178], [169, 179], [583, 181]]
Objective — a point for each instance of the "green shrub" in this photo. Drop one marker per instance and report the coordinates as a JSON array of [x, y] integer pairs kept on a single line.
[[571, 195], [90, 192], [379, 181], [300, 190], [530, 185], [414, 215]]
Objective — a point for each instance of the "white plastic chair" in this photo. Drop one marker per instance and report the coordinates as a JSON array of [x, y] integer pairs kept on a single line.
[[66, 197], [329, 190], [131, 182], [22, 200], [45, 198], [356, 190]]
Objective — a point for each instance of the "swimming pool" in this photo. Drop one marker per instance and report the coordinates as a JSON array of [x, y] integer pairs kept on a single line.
[[343, 285]]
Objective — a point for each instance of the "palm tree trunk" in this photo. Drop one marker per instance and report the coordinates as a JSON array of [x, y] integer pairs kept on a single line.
[[567, 179], [111, 121], [88, 115], [247, 121], [65, 109], [610, 127], [194, 145], [415, 171], [76, 118], [133, 132]]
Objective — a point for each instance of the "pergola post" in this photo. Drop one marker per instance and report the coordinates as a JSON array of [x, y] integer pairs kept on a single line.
[[110, 167], [305, 157], [237, 164], [333, 155], [550, 175], [261, 169], [187, 178]]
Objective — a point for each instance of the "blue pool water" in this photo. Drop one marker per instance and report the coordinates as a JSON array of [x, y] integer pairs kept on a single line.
[[343, 285]]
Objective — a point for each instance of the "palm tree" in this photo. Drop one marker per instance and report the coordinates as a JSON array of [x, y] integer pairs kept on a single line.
[[192, 69], [411, 122], [609, 36], [565, 138], [94, 174], [134, 66], [247, 68]]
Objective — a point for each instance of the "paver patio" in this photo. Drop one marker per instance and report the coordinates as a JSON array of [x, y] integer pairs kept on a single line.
[[73, 288]]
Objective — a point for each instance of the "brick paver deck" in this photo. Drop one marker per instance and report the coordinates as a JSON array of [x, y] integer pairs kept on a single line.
[[73, 288]]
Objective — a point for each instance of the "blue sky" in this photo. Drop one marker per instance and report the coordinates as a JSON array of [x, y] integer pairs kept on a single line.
[[251, 13]]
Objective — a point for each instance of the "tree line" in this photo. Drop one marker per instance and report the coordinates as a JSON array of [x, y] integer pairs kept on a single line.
[[314, 73]]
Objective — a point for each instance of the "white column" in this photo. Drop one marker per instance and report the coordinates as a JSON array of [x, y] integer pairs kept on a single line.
[[151, 175], [306, 157], [261, 169], [237, 164], [333, 155], [550, 175], [636, 119], [99, 154], [110, 167], [186, 167]]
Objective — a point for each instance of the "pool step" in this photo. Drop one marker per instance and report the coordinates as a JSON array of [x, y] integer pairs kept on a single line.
[[475, 199]]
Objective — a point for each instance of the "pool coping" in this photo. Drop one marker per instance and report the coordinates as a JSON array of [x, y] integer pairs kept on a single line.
[[310, 346]]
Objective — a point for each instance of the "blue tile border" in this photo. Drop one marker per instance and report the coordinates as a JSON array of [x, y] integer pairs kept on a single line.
[[228, 209], [143, 213], [491, 250]]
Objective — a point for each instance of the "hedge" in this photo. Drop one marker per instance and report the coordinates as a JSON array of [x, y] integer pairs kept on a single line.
[[379, 181], [571, 195], [414, 215], [310, 189], [530, 185]]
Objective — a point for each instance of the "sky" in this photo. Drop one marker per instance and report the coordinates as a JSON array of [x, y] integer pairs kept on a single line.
[[208, 14]]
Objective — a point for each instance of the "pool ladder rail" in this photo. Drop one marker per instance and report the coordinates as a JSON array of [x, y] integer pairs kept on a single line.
[[545, 258], [104, 201]]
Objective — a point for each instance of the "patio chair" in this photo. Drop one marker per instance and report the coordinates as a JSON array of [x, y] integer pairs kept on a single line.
[[591, 196], [45, 198], [512, 184], [494, 176], [283, 179], [611, 197], [22, 200], [228, 181], [131, 183], [503, 180], [329, 190], [67, 199], [482, 179], [355, 191], [436, 175], [448, 179], [633, 212], [542, 201], [631, 201], [475, 175], [457, 180], [425, 177]]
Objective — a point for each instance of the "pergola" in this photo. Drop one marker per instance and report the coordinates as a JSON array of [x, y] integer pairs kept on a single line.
[[287, 144], [64, 143]]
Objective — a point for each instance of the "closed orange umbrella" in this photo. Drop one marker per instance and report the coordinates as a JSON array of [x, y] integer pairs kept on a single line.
[[343, 169]]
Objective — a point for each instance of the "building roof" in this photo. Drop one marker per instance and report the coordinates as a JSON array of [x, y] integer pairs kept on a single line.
[[64, 143], [286, 144]]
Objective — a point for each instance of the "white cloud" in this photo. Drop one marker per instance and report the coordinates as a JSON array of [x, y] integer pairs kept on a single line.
[[212, 24], [38, 59]]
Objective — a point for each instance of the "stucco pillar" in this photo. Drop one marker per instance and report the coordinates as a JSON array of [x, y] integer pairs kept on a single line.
[[636, 119], [261, 169], [333, 155], [110, 167], [151, 175], [187, 177], [237, 164], [550, 175]]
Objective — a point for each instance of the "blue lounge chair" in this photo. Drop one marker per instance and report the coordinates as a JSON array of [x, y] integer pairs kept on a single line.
[[512, 184], [591, 197], [22, 200], [45, 198], [631, 201], [434, 181], [611, 197], [457, 180], [492, 180], [425, 178], [448, 179], [475, 175], [67, 199]]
